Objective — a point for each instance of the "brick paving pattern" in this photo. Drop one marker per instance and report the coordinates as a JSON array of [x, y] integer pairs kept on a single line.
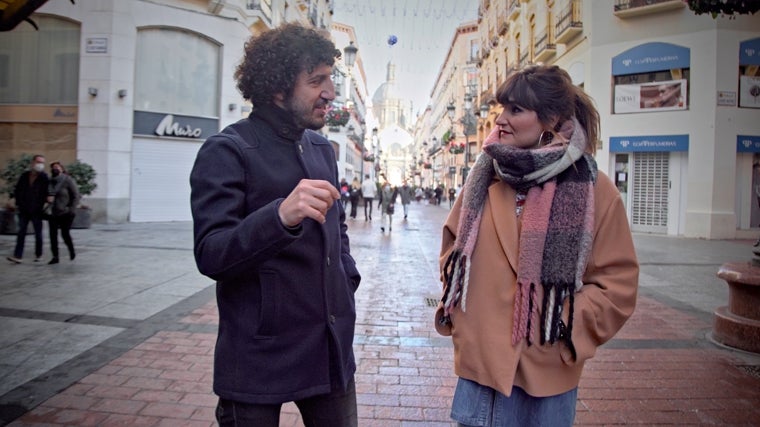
[[659, 370]]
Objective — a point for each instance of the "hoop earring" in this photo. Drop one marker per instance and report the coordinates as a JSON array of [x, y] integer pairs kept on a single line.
[[541, 138]]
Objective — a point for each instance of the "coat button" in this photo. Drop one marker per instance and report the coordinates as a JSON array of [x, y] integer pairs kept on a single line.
[[332, 318]]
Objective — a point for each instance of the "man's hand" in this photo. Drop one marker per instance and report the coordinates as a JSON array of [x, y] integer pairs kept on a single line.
[[311, 198]]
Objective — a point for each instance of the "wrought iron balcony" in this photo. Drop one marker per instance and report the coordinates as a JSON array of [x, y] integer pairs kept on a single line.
[[631, 8]]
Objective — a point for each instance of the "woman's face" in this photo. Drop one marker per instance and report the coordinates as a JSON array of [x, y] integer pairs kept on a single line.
[[519, 127]]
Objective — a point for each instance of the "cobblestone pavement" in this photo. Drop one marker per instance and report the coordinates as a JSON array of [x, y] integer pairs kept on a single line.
[[125, 334]]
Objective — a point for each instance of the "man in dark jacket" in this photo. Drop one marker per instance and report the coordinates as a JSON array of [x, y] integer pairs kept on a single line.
[[30, 194], [269, 231]]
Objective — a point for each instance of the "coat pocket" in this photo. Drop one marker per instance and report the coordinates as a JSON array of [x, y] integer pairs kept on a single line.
[[269, 312]]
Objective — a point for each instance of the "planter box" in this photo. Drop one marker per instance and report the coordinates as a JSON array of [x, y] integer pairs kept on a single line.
[[83, 218], [8, 224]]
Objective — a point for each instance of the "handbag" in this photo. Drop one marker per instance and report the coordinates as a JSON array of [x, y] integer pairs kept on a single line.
[[47, 211], [390, 209]]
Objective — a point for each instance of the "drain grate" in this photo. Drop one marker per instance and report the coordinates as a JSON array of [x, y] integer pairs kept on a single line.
[[751, 370], [431, 302]]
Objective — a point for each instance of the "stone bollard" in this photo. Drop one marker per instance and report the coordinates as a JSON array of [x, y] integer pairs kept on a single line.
[[738, 324]]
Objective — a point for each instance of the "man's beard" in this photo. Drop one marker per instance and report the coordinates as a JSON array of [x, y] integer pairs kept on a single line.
[[303, 115]]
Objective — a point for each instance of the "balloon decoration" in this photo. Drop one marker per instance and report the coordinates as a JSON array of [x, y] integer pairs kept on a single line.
[[392, 40]]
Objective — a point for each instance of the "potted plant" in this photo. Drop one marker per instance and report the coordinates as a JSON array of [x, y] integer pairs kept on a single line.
[[84, 176], [337, 116], [10, 174]]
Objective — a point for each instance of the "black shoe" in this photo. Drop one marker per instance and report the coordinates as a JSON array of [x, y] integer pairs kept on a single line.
[[53, 261], [72, 255], [404, 216], [382, 229]]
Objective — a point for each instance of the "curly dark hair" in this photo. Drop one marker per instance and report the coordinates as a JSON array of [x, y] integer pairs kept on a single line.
[[274, 59]]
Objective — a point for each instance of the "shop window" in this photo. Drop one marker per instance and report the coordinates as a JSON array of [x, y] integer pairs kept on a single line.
[[749, 74], [176, 71], [652, 91], [40, 66], [651, 77]]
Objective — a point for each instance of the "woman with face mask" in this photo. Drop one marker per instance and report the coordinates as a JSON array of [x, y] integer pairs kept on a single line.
[[537, 258], [63, 195]]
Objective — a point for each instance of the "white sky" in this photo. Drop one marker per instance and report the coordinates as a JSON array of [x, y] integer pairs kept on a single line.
[[424, 29]]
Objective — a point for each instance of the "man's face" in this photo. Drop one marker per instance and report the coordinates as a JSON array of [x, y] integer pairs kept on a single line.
[[38, 164], [312, 94]]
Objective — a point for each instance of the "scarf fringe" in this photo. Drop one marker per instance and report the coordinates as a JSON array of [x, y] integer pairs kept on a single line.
[[456, 274]]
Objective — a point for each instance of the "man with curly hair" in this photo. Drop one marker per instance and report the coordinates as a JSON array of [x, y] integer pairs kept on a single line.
[[268, 229]]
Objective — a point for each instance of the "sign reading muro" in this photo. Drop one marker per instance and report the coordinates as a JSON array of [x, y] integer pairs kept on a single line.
[[174, 125]]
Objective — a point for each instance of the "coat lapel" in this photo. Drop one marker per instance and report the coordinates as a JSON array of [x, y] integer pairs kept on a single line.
[[502, 203]]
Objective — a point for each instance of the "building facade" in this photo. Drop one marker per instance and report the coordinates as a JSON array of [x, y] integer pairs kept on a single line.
[[680, 129], [133, 88]]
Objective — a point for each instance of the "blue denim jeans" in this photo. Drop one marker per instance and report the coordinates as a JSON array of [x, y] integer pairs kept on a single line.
[[23, 223], [480, 406]]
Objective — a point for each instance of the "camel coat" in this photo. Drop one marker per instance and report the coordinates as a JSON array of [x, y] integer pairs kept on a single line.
[[482, 334]]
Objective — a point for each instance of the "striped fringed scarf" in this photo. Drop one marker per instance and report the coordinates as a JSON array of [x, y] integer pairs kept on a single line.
[[557, 223]]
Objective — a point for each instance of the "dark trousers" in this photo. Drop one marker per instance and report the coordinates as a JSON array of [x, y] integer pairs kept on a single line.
[[23, 224], [354, 203], [368, 204], [63, 223], [337, 409]]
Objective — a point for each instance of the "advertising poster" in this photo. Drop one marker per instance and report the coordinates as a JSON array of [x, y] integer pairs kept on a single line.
[[646, 97], [749, 91]]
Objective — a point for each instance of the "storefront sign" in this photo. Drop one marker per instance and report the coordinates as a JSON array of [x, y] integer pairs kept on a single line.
[[628, 144], [748, 143], [174, 125], [38, 113], [96, 45], [650, 57], [659, 96], [727, 98], [749, 52]]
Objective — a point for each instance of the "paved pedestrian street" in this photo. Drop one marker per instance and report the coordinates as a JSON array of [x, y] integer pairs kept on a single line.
[[124, 335]]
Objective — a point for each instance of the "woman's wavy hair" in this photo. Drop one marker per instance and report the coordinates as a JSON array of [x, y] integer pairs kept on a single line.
[[549, 91], [273, 60]]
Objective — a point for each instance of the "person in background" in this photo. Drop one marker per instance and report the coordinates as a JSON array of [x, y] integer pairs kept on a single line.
[[537, 258], [344, 192], [30, 193], [406, 196], [269, 228], [355, 195], [63, 195], [388, 195], [369, 191]]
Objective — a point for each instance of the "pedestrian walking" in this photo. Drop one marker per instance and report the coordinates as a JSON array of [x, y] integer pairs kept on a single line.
[[387, 205], [406, 193], [30, 194], [355, 195], [538, 244], [270, 229], [63, 197], [344, 192], [369, 191]]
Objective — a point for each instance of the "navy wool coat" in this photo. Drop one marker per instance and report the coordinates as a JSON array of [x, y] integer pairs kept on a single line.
[[285, 296]]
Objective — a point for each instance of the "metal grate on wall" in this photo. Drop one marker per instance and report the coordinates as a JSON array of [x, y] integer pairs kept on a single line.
[[649, 203]]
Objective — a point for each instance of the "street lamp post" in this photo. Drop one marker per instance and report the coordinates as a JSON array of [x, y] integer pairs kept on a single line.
[[375, 155], [451, 111], [350, 58]]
